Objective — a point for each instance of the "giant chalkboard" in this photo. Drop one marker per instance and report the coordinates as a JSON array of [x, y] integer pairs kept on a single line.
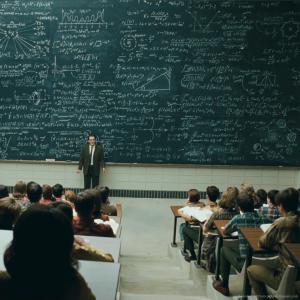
[[159, 81]]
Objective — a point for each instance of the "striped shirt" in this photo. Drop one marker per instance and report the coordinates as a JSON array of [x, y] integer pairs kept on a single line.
[[247, 219], [271, 213]]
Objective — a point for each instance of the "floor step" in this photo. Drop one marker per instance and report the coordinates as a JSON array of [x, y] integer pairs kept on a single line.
[[129, 296]]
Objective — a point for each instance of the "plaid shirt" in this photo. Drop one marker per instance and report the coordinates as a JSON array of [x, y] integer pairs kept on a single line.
[[248, 219], [271, 213]]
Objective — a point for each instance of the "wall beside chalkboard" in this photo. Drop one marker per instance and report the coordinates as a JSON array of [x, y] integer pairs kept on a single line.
[[206, 82]]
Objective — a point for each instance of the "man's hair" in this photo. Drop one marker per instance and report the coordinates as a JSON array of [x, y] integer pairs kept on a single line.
[[20, 188], [288, 199], [272, 195], [84, 204], [3, 191], [213, 193], [228, 199], [57, 190], [63, 207], [194, 195], [9, 212], [92, 135], [47, 192], [245, 202], [260, 198], [34, 192]]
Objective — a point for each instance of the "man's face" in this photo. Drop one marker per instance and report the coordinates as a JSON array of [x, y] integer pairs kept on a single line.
[[92, 140]]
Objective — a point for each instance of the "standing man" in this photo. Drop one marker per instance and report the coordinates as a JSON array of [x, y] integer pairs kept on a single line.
[[91, 160]]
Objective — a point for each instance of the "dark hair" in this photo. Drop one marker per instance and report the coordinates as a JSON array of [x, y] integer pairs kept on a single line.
[[92, 135], [272, 195], [84, 204], [260, 198], [34, 192], [9, 212], [288, 199], [47, 192], [213, 193], [57, 190], [19, 189], [64, 207], [42, 245], [245, 202], [194, 196], [3, 191]]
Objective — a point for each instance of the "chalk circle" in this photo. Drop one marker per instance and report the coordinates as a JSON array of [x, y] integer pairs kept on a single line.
[[291, 137], [257, 147], [128, 42], [281, 123]]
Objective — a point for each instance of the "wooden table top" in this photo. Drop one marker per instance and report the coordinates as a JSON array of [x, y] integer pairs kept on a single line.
[[252, 236], [175, 208], [294, 250], [220, 224]]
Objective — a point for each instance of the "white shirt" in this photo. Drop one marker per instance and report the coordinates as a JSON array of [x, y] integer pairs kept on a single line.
[[92, 150]]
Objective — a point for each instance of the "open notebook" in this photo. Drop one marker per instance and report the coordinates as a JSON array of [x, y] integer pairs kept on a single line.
[[201, 214], [113, 224], [265, 227]]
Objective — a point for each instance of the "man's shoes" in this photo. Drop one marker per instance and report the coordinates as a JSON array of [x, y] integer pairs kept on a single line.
[[184, 253], [190, 258], [217, 284]]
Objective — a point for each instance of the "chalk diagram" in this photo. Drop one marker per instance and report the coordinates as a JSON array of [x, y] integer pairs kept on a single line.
[[128, 42], [5, 144], [290, 29], [16, 40], [197, 26], [62, 72], [296, 77], [82, 20], [35, 97], [159, 83]]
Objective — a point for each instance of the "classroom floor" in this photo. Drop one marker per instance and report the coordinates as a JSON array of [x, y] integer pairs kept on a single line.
[[150, 268]]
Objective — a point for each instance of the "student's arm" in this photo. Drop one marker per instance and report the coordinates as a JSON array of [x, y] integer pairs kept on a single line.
[[231, 226], [270, 238], [184, 216]]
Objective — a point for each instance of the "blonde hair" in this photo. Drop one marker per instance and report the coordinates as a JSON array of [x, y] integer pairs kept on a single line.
[[228, 199], [70, 196]]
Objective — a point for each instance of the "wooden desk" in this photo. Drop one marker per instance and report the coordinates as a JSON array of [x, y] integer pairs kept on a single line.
[[220, 224], [174, 210], [294, 250]]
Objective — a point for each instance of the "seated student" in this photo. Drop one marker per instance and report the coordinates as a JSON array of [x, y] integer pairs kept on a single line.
[[19, 193], [70, 196], [226, 211], [284, 230], [3, 191], [233, 254], [47, 195], [58, 191], [9, 212], [81, 249], [193, 200], [260, 198], [34, 193], [84, 225], [270, 210], [98, 213], [106, 207], [212, 194], [38, 261]]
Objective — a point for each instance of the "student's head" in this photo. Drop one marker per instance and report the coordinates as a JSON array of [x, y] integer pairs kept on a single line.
[[245, 202], [84, 204], [92, 139], [228, 199], [3, 191], [104, 194], [47, 192], [260, 198], [57, 190], [271, 196], [9, 212], [19, 189], [287, 200], [63, 207], [193, 196], [212, 193], [34, 192], [70, 196], [42, 245]]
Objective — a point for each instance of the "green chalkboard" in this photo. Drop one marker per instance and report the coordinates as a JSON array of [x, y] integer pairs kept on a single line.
[[198, 82]]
